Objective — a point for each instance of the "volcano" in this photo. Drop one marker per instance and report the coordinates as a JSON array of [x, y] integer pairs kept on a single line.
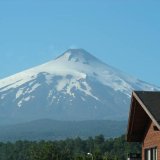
[[75, 86]]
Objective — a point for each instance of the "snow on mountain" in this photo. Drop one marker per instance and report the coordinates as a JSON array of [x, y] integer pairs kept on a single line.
[[74, 86]]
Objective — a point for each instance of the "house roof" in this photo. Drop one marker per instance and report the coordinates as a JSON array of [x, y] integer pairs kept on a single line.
[[145, 108]]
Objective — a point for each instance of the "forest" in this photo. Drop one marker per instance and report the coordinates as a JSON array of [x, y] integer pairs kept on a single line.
[[97, 148], [48, 129]]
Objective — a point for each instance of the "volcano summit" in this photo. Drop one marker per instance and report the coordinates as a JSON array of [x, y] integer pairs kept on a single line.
[[74, 86]]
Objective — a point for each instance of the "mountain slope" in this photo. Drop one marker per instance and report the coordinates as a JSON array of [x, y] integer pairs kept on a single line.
[[47, 129], [74, 86]]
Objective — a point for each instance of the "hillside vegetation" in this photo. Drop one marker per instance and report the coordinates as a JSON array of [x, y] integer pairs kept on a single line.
[[47, 129]]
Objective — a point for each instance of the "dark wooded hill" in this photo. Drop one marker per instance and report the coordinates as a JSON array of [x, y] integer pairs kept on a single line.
[[47, 129]]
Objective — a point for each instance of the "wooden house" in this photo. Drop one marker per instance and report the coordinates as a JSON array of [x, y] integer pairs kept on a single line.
[[144, 123]]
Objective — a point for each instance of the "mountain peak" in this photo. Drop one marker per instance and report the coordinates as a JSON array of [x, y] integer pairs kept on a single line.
[[77, 55], [75, 86], [77, 50]]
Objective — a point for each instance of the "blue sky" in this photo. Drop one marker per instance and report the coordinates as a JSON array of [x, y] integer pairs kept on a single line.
[[122, 33]]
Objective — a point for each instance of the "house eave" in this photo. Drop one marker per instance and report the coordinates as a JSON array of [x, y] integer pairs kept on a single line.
[[139, 117]]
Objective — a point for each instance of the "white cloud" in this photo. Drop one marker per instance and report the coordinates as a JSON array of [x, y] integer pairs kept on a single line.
[[73, 46]]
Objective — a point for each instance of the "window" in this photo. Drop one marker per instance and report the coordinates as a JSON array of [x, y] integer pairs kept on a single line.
[[151, 154]]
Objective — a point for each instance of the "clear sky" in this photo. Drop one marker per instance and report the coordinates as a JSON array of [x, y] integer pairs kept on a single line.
[[122, 33]]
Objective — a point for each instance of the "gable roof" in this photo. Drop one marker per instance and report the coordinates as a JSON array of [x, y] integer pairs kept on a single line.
[[145, 108]]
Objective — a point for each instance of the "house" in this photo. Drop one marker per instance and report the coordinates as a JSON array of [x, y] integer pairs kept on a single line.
[[144, 123]]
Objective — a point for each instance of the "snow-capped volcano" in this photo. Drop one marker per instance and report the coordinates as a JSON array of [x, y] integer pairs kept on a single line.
[[74, 86]]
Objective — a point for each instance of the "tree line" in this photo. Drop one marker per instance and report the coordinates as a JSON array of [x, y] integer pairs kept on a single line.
[[97, 148]]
